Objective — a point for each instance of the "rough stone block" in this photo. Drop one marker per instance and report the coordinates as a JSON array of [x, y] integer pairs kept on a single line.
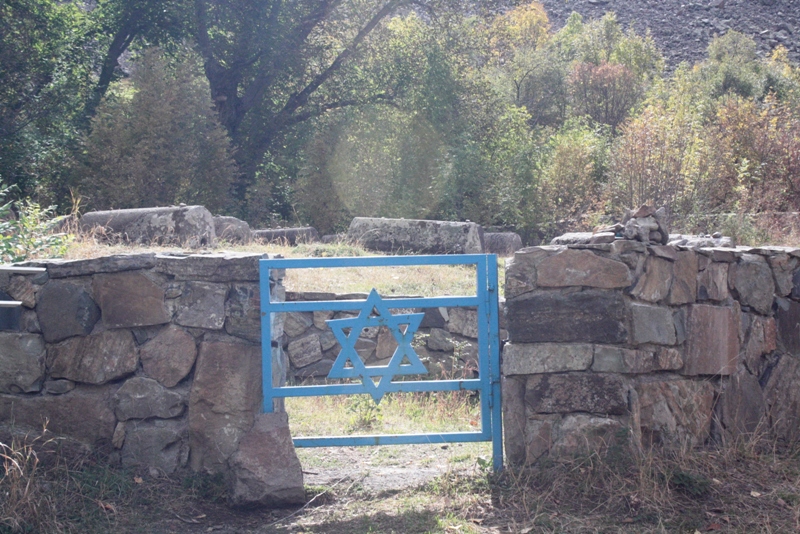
[[191, 226], [584, 392], [169, 356], [514, 419], [527, 359], [783, 267], [22, 289], [22, 359], [591, 316], [435, 318], [265, 470], [288, 236], [782, 396], [610, 359], [582, 268], [655, 283], [503, 244], [163, 445], [305, 351], [712, 283], [225, 396], [463, 321], [564, 436], [84, 413], [438, 340], [202, 305], [521, 275], [144, 398], [243, 312], [684, 281], [788, 319], [762, 338], [222, 267], [753, 283], [742, 410], [712, 340], [652, 324], [65, 310], [412, 235], [129, 299], [675, 412], [94, 359], [232, 230], [668, 359], [297, 322]]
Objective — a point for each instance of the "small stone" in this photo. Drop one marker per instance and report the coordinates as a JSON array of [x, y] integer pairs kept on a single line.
[[305, 351], [58, 387]]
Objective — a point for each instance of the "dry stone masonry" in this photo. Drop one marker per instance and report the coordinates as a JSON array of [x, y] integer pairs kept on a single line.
[[665, 345], [156, 359]]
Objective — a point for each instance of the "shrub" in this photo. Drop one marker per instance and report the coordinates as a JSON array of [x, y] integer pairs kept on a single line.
[[604, 92], [30, 231]]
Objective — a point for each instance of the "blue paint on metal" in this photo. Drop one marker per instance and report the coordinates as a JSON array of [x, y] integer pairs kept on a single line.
[[377, 381]]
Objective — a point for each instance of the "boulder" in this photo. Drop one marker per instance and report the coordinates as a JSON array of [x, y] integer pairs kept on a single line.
[[22, 359], [413, 235], [161, 444], [144, 398], [94, 359], [225, 396], [191, 226], [503, 244], [590, 316], [287, 236], [232, 230], [582, 268], [169, 356], [712, 340], [65, 310], [265, 470], [129, 299], [526, 359]]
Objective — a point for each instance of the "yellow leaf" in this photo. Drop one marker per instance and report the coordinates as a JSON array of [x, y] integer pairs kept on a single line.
[[755, 494], [138, 480]]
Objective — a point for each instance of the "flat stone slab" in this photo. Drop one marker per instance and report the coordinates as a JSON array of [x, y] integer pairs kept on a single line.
[[591, 316], [191, 226], [129, 299], [712, 340], [576, 392], [414, 235], [528, 359], [582, 268]]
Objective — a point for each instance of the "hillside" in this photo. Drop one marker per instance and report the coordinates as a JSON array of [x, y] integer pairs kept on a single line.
[[682, 28]]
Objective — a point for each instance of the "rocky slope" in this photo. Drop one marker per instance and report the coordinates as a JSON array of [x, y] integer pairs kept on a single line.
[[683, 28]]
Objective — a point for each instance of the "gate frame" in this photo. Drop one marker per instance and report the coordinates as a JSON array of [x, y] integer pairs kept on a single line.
[[488, 381]]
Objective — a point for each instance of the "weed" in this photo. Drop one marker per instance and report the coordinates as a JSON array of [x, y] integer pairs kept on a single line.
[[365, 414], [206, 487]]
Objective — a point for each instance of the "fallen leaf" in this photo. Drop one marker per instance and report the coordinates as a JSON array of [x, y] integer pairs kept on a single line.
[[713, 526], [138, 480], [716, 481], [755, 494]]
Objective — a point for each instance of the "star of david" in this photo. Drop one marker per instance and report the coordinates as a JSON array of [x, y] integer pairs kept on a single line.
[[376, 379]]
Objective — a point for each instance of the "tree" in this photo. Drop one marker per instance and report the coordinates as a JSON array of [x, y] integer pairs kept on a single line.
[[157, 142]]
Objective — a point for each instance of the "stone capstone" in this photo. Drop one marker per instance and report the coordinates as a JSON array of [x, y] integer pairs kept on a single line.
[[161, 444], [202, 305], [221, 267], [144, 398], [582, 268], [94, 359], [65, 310], [652, 324], [527, 359], [225, 395], [590, 316], [675, 412], [413, 235], [265, 470], [22, 360], [753, 283], [129, 299], [576, 392], [169, 356], [712, 340], [191, 226], [106, 264]]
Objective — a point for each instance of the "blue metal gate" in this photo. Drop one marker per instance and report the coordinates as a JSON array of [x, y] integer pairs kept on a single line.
[[378, 380]]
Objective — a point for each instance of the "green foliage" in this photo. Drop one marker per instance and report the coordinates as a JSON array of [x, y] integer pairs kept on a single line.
[[157, 142], [27, 230]]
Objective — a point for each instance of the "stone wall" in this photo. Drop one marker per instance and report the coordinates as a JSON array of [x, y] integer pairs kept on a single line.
[[663, 344], [155, 359]]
